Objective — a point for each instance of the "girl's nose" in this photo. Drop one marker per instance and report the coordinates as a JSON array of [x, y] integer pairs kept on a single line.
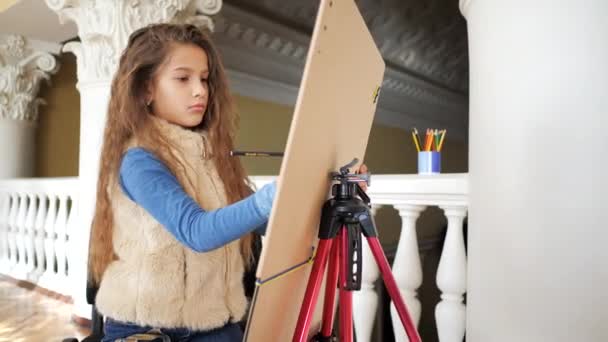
[[198, 90]]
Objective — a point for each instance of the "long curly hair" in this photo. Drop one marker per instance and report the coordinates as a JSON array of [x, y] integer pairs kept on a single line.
[[128, 117]]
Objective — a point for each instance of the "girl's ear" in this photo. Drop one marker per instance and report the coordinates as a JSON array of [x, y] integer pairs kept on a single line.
[[149, 93]]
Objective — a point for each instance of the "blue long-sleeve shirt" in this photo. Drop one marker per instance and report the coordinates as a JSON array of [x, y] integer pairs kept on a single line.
[[149, 183]]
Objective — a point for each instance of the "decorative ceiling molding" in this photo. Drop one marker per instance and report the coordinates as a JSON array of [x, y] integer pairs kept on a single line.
[[24, 64], [427, 38], [265, 60], [262, 88]]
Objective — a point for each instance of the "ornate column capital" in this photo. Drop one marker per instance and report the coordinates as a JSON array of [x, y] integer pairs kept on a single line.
[[104, 27], [24, 64]]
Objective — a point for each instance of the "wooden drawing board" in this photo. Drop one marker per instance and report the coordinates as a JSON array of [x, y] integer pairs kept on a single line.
[[331, 124]]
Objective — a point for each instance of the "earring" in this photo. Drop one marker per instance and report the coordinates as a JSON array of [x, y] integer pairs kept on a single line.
[[148, 103]]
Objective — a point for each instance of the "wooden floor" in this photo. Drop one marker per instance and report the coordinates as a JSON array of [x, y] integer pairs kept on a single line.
[[27, 315]]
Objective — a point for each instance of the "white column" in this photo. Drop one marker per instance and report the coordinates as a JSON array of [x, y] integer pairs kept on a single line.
[[450, 313], [104, 27], [24, 63], [365, 301], [537, 167], [407, 268]]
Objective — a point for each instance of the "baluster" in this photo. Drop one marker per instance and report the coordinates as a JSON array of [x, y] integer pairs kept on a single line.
[[69, 230], [365, 301], [77, 255], [60, 242], [4, 211], [12, 233], [49, 243], [40, 234], [407, 268], [29, 233], [450, 313], [21, 236], [5, 202]]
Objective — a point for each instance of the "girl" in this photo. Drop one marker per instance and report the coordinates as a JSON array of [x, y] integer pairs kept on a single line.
[[173, 223]]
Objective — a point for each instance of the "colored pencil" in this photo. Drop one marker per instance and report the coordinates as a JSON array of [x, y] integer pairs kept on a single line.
[[443, 132], [415, 137]]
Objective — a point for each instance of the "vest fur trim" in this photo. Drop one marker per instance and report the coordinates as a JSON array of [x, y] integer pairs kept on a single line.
[[157, 281]]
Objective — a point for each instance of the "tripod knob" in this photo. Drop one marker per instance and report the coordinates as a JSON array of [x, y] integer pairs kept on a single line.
[[320, 338]]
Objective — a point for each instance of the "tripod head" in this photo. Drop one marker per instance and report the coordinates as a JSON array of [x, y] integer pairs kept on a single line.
[[348, 183]]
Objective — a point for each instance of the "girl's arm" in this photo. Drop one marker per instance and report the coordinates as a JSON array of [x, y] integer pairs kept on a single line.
[[150, 184]]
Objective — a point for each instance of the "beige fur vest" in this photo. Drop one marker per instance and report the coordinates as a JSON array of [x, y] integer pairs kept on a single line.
[[156, 280]]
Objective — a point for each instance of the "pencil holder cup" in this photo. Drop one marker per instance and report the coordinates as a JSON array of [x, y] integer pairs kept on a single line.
[[429, 162]]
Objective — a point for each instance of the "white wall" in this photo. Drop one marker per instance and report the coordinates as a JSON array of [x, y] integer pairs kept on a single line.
[[538, 262], [17, 143]]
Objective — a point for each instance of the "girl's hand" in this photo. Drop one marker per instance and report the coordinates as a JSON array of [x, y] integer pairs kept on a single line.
[[362, 169], [264, 197]]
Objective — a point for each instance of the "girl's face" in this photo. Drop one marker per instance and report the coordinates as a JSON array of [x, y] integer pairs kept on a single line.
[[179, 91]]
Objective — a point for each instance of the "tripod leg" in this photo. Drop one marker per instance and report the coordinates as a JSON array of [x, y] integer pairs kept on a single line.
[[312, 290], [330, 291], [346, 296], [393, 290]]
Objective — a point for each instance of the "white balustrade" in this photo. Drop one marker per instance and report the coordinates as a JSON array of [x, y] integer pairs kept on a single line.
[[365, 301], [5, 204], [451, 279], [36, 223], [410, 195], [29, 233], [61, 237], [47, 278], [407, 268], [19, 227], [12, 235], [40, 237], [34, 230]]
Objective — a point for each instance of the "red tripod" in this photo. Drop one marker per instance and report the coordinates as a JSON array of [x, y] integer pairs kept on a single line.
[[344, 218]]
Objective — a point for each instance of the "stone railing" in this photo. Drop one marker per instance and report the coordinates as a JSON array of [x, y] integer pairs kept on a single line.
[[35, 227], [35, 217], [410, 195]]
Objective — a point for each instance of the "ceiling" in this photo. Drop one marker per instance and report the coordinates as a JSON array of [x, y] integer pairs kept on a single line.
[[427, 38], [424, 43], [35, 20], [264, 43]]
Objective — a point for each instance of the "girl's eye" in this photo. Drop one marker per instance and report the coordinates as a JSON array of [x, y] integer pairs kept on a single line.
[[204, 80], [182, 79]]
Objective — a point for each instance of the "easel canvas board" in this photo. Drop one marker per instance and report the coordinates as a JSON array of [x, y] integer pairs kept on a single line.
[[331, 124]]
